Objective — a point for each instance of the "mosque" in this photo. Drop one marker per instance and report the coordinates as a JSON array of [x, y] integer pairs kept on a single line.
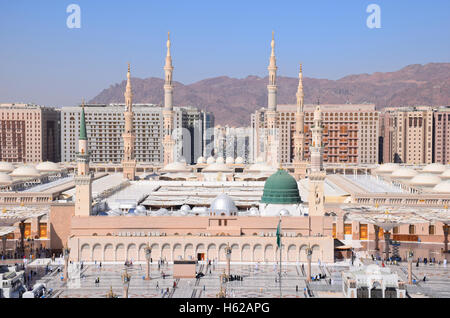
[[106, 213]]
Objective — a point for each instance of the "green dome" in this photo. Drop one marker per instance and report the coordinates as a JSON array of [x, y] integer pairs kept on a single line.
[[281, 188]]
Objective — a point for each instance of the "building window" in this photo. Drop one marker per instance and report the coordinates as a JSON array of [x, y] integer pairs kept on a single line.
[[431, 230], [412, 229]]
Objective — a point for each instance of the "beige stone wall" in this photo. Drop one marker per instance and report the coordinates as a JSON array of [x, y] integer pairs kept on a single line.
[[244, 248], [59, 224]]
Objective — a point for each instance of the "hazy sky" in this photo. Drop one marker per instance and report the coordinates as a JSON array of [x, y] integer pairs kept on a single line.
[[43, 61]]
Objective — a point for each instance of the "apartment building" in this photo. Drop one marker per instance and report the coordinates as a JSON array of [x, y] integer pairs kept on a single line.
[[29, 133], [442, 135], [233, 142], [408, 134], [350, 132], [105, 126]]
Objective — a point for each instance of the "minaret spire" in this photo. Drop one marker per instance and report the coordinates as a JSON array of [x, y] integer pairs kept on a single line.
[[168, 142], [129, 162], [83, 178], [299, 137], [272, 139], [317, 172], [128, 92]]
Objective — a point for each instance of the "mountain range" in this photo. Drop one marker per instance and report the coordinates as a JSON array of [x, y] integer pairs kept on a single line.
[[232, 100]]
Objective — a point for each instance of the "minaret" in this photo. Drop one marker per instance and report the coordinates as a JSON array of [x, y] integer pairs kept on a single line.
[[83, 179], [299, 137], [317, 173], [271, 136], [168, 142], [129, 136]]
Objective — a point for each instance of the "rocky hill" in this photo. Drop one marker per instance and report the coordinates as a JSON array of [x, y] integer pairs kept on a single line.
[[232, 100]]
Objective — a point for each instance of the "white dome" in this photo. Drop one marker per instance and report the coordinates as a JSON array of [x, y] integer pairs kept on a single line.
[[201, 160], [388, 167], [185, 208], [4, 178], [425, 179], [445, 174], [210, 160], [434, 168], [6, 167], [254, 211], [239, 160], [176, 167], [25, 171], [220, 160], [216, 167], [404, 173], [48, 166], [443, 187], [229, 160], [223, 204], [141, 209], [284, 212]]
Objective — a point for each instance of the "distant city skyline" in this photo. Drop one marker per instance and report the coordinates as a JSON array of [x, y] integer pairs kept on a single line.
[[45, 62]]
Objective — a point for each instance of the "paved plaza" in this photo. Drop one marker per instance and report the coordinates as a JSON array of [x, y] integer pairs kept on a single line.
[[259, 280]]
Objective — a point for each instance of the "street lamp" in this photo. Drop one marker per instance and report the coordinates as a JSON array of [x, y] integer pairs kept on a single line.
[[410, 256], [111, 294], [228, 256], [308, 268], [148, 255], [126, 278], [223, 292], [66, 253]]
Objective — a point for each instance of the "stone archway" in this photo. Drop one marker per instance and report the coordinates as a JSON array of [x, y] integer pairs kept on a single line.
[[108, 254], [97, 254], [177, 252], [141, 253], [212, 251], [246, 253], [235, 253], [269, 253], [189, 252], [166, 252], [258, 254], [132, 252], [302, 253], [120, 252], [292, 255], [85, 254]]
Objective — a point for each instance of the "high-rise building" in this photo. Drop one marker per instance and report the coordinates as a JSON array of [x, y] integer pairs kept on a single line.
[[105, 125], [408, 135], [197, 134], [29, 133], [233, 142], [350, 132], [441, 141]]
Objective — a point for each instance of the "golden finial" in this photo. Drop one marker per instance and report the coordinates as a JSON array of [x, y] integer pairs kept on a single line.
[[280, 167], [386, 212], [82, 102], [168, 35], [128, 67], [273, 35], [446, 206], [300, 67]]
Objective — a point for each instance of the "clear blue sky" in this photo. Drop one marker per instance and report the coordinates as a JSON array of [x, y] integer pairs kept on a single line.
[[43, 61]]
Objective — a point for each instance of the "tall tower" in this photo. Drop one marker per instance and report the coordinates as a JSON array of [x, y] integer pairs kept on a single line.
[[168, 142], [83, 179], [299, 137], [317, 173], [129, 136], [271, 147]]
